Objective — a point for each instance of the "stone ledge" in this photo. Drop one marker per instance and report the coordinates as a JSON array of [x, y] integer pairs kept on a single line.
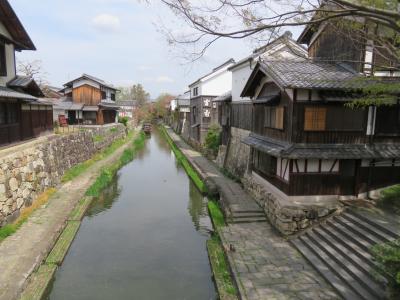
[[288, 218]]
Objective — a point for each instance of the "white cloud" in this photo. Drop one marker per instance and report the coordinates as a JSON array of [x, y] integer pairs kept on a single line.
[[144, 68], [164, 79], [106, 22]]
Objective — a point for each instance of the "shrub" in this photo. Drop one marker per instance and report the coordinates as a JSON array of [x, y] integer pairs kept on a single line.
[[390, 198], [387, 256], [212, 139], [123, 120]]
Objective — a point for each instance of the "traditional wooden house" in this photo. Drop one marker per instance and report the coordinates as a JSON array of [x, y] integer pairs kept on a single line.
[[306, 142], [180, 110], [202, 91], [89, 101], [22, 116], [127, 108]]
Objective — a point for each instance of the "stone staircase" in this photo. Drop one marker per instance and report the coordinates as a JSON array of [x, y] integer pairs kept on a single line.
[[247, 216], [339, 250]]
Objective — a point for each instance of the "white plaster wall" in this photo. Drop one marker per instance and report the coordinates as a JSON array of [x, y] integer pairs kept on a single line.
[[10, 58], [217, 85], [85, 81], [240, 76]]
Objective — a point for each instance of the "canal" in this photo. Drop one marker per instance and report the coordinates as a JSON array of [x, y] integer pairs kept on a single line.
[[143, 238]]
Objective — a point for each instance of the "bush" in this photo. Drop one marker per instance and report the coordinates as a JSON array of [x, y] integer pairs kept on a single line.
[[390, 198], [387, 256], [213, 139], [123, 120]]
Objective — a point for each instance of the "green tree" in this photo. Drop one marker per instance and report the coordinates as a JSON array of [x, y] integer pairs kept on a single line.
[[161, 104]]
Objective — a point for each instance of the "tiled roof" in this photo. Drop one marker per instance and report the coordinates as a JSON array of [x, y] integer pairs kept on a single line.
[[322, 151], [309, 74], [9, 93], [126, 102], [20, 81], [224, 97]]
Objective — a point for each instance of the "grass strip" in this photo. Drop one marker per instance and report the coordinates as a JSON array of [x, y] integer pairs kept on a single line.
[[41, 200], [108, 173], [80, 209], [191, 172], [220, 269], [80, 168], [60, 249], [216, 215], [37, 288]]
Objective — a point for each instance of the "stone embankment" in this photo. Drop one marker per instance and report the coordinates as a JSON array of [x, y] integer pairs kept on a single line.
[[29, 170]]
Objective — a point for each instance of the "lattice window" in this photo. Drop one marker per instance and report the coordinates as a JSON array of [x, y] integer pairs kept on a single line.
[[315, 118]]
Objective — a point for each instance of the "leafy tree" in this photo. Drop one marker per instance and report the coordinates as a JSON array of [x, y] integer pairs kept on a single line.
[[138, 93], [161, 104]]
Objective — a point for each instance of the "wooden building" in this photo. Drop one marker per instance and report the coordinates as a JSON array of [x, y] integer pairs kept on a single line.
[[306, 142], [88, 101], [22, 115], [180, 110]]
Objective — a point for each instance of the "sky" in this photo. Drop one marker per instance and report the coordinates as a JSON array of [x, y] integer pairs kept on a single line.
[[115, 40]]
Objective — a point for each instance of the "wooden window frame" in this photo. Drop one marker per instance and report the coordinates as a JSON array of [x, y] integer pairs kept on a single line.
[[306, 172], [274, 111]]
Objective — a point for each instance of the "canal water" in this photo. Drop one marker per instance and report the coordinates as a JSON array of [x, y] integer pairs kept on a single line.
[[144, 238]]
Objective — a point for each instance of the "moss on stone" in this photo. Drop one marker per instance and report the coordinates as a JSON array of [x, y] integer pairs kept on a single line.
[[39, 283], [80, 209]]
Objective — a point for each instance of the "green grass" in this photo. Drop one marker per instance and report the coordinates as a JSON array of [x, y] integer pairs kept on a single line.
[[185, 163], [108, 173], [222, 276], [216, 214], [82, 167], [98, 138], [390, 199]]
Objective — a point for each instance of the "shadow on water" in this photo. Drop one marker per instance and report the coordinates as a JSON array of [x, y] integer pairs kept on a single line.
[[143, 238]]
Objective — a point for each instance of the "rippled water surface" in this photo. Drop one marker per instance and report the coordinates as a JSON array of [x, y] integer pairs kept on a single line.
[[144, 238]]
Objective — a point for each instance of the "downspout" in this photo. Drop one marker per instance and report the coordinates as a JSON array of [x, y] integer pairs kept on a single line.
[[370, 142]]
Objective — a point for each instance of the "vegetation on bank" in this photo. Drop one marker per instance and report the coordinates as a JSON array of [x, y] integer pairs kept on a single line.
[[387, 255], [185, 163], [222, 275], [82, 167], [42, 199], [390, 198], [213, 139], [108, 173]]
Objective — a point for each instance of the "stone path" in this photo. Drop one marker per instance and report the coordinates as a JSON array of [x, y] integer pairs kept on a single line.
[[23, 252], [231, 193], [266, 266]]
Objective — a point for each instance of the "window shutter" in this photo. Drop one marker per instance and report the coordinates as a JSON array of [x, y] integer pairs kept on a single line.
[[279, 117], [315, 118], [3, 63]]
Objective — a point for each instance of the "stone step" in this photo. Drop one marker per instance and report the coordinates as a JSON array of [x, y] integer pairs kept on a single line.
[[359, 232], [247, 220], [343, 261], [248, 215], [363, 244], [307, 251], [375, 229], [381, 227]]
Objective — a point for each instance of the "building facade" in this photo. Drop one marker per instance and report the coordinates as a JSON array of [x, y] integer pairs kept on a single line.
[[22, 116]]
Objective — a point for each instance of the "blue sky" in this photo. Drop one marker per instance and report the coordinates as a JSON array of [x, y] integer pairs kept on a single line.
[[116, 40]]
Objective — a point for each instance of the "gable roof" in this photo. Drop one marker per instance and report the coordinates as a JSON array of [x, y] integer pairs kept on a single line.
[[26, 84], [92, 78], [285, 39], [220, 67], [305, 74], [14, 26]]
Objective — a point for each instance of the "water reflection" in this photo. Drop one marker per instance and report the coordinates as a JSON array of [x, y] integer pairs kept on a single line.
[[105, 200], [197, 208]]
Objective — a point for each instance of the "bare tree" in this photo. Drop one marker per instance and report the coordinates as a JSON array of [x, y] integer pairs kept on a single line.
[[34, 69], [211, 20]]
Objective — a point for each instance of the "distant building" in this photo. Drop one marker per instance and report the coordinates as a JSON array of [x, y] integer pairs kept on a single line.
[[52, 92], [87, 100], [22, 116], [180, 109], [126, 108], [202, 91]]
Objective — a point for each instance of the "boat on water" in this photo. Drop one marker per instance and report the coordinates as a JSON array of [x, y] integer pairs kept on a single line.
[[147, 127]]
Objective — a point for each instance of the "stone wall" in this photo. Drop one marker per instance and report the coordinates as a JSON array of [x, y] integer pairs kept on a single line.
[[29, 170], [287, 218], [237, 154]]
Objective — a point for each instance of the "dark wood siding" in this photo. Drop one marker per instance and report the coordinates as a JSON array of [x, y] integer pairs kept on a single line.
[[388, 120], [343, 125], [241, 115]]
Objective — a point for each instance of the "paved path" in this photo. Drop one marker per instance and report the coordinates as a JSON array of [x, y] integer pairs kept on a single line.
[[23, 252], [266, 266], [231, 192]]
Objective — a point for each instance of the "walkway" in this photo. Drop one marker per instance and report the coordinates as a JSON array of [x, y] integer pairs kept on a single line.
[[263, 263], [266, 266], [234, 199], [23, 252]]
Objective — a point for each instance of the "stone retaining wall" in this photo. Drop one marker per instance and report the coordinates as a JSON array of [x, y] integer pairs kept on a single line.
[[288, 219], [28, 172], [237, 154]]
